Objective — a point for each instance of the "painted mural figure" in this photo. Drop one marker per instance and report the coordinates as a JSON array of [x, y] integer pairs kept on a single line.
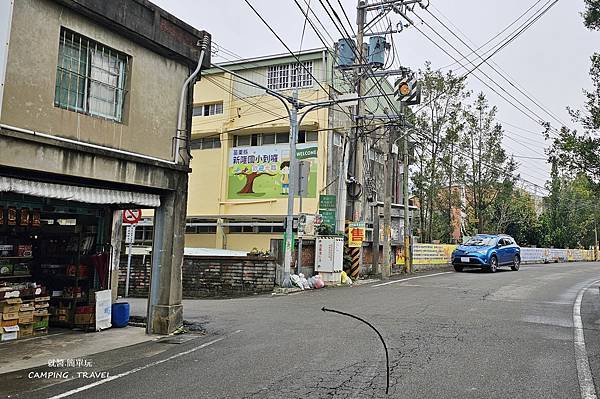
[[285, 177]]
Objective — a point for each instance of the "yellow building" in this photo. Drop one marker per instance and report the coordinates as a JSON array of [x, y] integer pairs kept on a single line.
[[240, 145]]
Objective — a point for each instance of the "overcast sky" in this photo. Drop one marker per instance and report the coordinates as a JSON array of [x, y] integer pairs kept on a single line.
[[550, 61]]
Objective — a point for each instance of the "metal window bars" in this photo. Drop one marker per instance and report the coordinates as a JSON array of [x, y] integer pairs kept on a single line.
[[90, 77], [289, 76]]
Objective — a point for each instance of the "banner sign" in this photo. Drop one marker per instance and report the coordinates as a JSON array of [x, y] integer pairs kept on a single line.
[[263, 171]]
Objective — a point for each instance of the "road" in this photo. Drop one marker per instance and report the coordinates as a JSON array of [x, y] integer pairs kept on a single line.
[[452, 335]]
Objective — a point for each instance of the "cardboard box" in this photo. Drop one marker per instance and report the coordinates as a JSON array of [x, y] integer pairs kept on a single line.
[[25, 330], [42, 299], [26, 306], [40, 312], [85, 319], [41, 305], [10, 316], [40, 332], [26, 317], [9, 333], [10, 305], [11, 308], [8, 323]]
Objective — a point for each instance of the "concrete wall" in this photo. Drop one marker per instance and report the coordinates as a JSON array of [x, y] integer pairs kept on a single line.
[[153, 84]]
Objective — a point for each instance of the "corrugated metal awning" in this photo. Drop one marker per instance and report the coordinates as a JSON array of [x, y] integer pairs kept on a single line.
[[77, 193]]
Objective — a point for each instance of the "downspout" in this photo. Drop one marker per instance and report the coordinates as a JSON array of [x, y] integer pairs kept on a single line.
[[205, 43]]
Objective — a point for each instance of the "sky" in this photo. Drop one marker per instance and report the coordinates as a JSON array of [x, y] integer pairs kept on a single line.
[[549, 61]]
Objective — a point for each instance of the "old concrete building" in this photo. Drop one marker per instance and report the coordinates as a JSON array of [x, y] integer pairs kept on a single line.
[[89, 105]]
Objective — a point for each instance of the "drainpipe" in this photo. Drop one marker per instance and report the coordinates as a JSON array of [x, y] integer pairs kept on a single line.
[[205, 43]]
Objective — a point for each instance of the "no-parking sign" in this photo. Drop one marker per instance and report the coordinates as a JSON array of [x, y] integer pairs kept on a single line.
[[132, 216]]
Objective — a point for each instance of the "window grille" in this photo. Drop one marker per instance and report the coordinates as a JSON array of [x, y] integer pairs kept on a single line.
[[287, 76], [90, 77]]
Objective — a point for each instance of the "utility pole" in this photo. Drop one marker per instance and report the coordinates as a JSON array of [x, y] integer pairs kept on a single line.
[[387, 209], [596, 234], [360, 109], [407, 252]]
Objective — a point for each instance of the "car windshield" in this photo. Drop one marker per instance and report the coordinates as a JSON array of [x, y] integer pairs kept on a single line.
[[480, 241]]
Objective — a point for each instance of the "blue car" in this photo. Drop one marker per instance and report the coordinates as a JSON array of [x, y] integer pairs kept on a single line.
[[486, 251]]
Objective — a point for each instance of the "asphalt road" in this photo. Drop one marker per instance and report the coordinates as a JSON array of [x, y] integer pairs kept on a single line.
[[453, 335]]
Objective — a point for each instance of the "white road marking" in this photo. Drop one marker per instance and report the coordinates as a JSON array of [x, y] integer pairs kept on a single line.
[[410, 278], [135, 370], [586, 382]]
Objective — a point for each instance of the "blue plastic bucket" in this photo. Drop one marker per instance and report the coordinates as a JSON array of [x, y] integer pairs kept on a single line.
[[120, 314]]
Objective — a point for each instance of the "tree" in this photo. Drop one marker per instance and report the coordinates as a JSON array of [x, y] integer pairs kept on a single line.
[[489, 171], [581, 151], [591, 15], [443, 96]]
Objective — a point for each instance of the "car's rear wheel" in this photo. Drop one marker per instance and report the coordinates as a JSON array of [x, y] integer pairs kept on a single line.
[[493, 264], [458, 268], [516, 263]]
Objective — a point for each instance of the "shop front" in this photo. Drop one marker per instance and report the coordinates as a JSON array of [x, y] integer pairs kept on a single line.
[[57, 246]]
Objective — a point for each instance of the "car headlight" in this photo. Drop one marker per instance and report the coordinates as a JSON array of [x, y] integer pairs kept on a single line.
[[482, 251]]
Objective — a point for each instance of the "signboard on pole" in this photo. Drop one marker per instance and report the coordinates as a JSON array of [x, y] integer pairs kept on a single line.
[[327, 209], [356, 234], [130, 234], [132, 216]]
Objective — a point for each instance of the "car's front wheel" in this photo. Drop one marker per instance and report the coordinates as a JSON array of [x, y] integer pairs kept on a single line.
[[493, 264], [458, 268], [516, 263]]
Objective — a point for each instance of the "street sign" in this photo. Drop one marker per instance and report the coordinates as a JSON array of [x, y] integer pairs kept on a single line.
[[132, 216], [130, 234], [328, 216], [327, 202], [408, 90], [356, 235], [305, 153]]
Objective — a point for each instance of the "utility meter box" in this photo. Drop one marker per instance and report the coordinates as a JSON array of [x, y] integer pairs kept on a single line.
[[329, 254]]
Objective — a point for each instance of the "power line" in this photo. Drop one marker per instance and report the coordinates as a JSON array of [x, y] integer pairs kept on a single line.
[[501, 32], [515, 35], [496, 70]]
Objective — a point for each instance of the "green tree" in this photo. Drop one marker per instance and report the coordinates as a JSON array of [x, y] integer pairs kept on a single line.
[[488, 172], [443, 95], [580, 152]]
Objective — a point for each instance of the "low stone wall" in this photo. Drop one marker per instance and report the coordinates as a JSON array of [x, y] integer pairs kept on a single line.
[[205, 276], [218, 276]]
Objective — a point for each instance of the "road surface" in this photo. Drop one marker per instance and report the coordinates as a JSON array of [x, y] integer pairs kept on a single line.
[[451, 335]]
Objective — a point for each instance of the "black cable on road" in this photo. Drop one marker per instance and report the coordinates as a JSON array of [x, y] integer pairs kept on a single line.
[[387, 359]]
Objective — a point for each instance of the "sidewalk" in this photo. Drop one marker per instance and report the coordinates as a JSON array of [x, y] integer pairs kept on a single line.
[[66, 344]]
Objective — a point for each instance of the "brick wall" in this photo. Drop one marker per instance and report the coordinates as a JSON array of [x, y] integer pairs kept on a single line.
[[207, 276]]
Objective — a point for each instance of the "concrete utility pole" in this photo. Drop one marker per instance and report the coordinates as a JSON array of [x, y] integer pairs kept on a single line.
[[595, 234], [407, 252], [387, 209], [358, 165]]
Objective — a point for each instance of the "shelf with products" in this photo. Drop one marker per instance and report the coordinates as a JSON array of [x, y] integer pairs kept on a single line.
[[11, 277]]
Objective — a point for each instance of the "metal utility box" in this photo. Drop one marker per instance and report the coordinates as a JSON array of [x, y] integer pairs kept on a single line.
[[329, 254]]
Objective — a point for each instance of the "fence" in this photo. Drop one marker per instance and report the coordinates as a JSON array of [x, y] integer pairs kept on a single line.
[[440, 254]]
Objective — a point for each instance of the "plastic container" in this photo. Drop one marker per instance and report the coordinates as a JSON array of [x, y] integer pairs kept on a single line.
[[120, 314]]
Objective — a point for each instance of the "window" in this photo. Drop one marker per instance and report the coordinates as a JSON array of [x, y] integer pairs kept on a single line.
[[90, 77], [271, 229], [241, 229], [143, 234], [289, 76], [337, 139], [207, 109], [206, 143], [200, 229], [273, 138], [307, 137]]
